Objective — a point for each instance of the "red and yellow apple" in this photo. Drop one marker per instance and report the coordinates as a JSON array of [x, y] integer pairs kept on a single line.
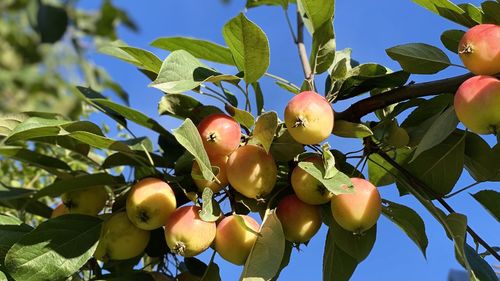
[[150, 203], [309, 118], [308, 188], [220, 134], [479, 49], [87, 201], [477, 104], [120, 239], [300, 221], [220, 162], [187, 234], [251, 171], [60, 210], [358, 211], [235, 237]]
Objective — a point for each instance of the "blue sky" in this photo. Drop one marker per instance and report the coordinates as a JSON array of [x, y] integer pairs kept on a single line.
[[368, 27]]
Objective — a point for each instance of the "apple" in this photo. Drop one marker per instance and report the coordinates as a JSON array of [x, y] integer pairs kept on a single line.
[[150, 203], [220, 134], [88, 201], [358, 211], [479, 49], [60, 210], [120, 239], [187, 276], [308, 188], [300, 221], [220, 162], [235, 237], [251, 171], [187, 234], [309, 118], [160, 277], [477, 104]]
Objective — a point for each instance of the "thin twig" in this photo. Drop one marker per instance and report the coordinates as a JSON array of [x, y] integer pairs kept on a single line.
[[462, 189], [302, 49]]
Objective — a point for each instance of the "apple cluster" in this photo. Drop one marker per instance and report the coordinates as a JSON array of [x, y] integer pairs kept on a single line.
[[247, 169], [477, 100]]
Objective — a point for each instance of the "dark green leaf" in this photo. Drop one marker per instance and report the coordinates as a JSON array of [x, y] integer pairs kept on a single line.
[[259, 97], [380, 172], [480, 159], [419, 58], [125, 159], [59, 187], [440, 129], [201, 49], [451, 39], [482, 270], [249, 46], [285, 147], [337, 264], [51, 23], [33, 158], [491, 10], [256, 3], [357, 246], [489, 200], [472, 12], [408, 221], [56, 249], [441, 166], [11, 230]]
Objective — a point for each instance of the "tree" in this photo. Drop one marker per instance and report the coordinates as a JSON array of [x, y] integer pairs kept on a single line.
[[424, 155]]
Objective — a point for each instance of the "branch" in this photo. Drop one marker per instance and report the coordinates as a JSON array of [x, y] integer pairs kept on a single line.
[[370, 104], [302, 49], [426, 190]]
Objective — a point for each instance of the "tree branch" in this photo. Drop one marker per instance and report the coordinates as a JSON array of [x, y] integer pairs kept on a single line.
[[302, 49], [426, 190], [370, 104]]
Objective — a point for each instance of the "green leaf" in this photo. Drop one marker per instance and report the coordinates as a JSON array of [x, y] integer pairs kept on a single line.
[[448, 10], [59, 187], [56, 249], [285, 147], [259, 97], [265, 129], [337, 264], [11, 230], [51, 22], [189, 137], [210, 210], [442, 127], [482, 270], [88, 95], [489, 200], [480, 159], [269, 244], [133, 115], [339, 183], [33, 158], [9, 193], [249, 46], [323, 48], [441, 166], [243, 117], [178, 105], [9, 121], [125, 159], [357, 246], [408, 221], [286, 259], [451, 39], [143, 59], [380, 172], [419, 58], [473, 12], [212, 273], [328, 161], [316, 12], [351, 130], [181, 72], [201, 49], [491, 10], [131, 276], [256, 3]]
